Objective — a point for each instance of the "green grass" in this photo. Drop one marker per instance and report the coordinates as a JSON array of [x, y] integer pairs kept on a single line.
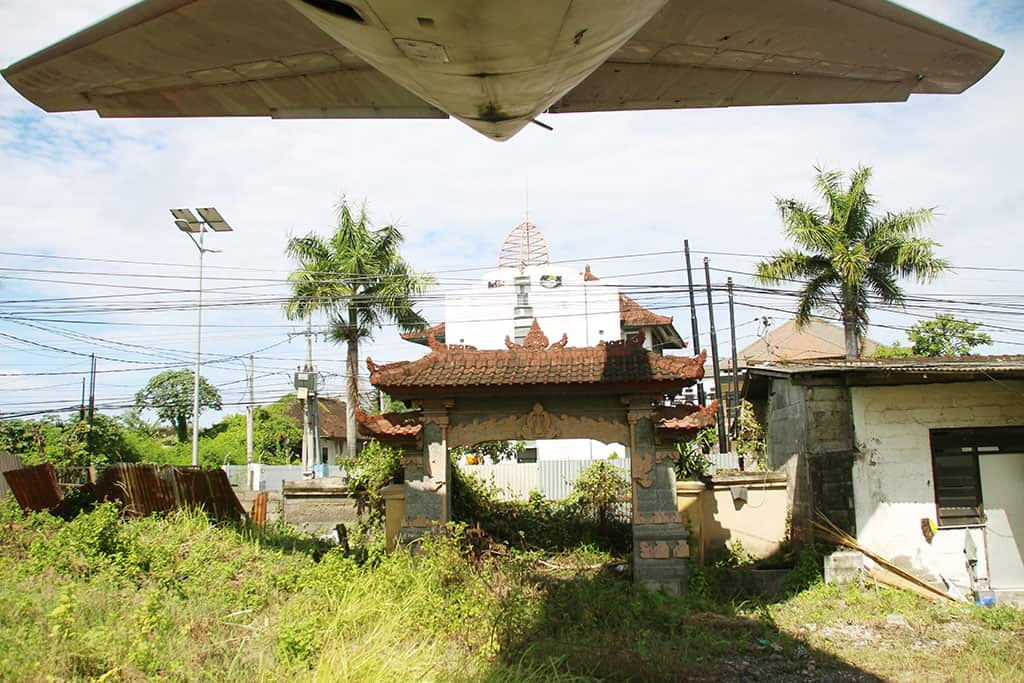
[[175, 598]]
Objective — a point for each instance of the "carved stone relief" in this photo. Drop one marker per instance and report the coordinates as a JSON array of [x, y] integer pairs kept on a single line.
[[537, 424], [664, 550], [656, 518]]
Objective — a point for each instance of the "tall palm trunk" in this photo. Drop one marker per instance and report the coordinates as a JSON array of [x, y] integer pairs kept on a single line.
[[352, 399], [852, 339]]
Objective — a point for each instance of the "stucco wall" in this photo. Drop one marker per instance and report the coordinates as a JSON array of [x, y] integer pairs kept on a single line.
[[716, 519], [893, 472]]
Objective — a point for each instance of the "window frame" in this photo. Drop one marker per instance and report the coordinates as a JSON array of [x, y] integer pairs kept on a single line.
[[968, 443]]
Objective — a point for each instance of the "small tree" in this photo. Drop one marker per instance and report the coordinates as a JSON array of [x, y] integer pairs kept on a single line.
[[170, 395], [946, 335], [598, 488]]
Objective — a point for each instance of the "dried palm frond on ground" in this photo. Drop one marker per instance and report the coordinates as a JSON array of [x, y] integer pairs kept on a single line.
[[885, 573]]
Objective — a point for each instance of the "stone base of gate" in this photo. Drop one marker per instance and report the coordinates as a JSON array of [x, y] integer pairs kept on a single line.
[[661, 556]]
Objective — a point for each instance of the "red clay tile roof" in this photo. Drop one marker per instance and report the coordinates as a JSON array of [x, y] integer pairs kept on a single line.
[[332, 416], [454, 369], [687, 418], [389, 425], [421, 337], [635, 315], [631, 313]]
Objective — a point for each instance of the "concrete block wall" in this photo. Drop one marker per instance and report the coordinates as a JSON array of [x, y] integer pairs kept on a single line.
[[317, 505], [809, 437]]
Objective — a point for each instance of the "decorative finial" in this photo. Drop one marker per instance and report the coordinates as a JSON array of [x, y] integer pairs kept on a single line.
[[524, 246]]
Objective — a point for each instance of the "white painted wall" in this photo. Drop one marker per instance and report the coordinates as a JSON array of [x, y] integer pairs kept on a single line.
[[482, 315], [893, 477], [578, 449]]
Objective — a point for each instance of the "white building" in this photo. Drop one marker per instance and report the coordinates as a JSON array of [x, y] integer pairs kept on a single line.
[[527, 287]]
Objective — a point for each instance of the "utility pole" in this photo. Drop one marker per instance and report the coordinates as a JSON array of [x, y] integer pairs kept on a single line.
[[723, 437], [693, 318], [735, 365], [92, 404], [81, 409], [306, 391], [249, 411]]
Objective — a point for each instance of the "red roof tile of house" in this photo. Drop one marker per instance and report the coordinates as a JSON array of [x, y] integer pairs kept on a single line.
[[687, 418], [632, 313], [332, 416], [635, 315], [454, 369]]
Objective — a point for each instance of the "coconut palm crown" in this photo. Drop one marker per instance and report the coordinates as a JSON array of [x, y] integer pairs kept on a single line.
[[849, 260], [358, 279]]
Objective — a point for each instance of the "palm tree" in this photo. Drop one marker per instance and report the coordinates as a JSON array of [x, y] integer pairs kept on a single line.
[[849, 258], [360, 281]]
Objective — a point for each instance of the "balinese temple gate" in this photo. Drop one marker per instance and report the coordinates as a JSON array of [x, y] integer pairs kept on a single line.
[[613, 392]]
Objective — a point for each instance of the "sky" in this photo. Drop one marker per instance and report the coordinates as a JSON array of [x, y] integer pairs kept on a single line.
[[84, 212]]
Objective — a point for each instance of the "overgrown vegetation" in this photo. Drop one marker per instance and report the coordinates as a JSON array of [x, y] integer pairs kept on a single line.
[[277, 439], [590, 515], [175, 598]]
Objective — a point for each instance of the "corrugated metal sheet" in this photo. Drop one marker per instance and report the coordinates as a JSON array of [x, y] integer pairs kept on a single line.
[[209, 490], [139, 488], [35, 488], [148, 489], [8, 462]]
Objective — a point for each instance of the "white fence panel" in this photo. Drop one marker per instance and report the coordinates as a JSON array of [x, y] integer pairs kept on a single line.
[[558, 476], [552, 478], [513, 479]]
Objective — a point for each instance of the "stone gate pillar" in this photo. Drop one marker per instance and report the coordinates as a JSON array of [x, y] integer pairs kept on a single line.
[[428, 477], [660, 548]]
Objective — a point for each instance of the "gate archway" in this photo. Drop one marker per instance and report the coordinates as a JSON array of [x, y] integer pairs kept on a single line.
[[612, 392]]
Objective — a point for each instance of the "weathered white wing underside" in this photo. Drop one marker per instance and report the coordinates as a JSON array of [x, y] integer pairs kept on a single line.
[[289, 58]]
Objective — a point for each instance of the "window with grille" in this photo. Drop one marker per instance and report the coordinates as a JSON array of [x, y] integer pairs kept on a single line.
[[956, 472]]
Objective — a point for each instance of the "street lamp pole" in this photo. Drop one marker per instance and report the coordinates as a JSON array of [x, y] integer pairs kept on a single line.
[[199, 355], [190, 225]]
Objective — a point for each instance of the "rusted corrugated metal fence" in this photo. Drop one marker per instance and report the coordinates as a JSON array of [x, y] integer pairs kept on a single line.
[[141, 489]]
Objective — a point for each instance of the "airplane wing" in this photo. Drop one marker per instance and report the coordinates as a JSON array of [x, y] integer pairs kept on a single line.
[[722, 53], [211, 58]]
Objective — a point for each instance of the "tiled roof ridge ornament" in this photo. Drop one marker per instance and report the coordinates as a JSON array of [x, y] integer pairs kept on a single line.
[[536, 340]]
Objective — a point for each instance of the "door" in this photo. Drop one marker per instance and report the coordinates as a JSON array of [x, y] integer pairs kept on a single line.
[[1002, 476]]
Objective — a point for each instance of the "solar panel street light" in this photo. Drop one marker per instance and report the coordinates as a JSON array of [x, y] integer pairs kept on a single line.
[[212, 217], [190, 225]]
